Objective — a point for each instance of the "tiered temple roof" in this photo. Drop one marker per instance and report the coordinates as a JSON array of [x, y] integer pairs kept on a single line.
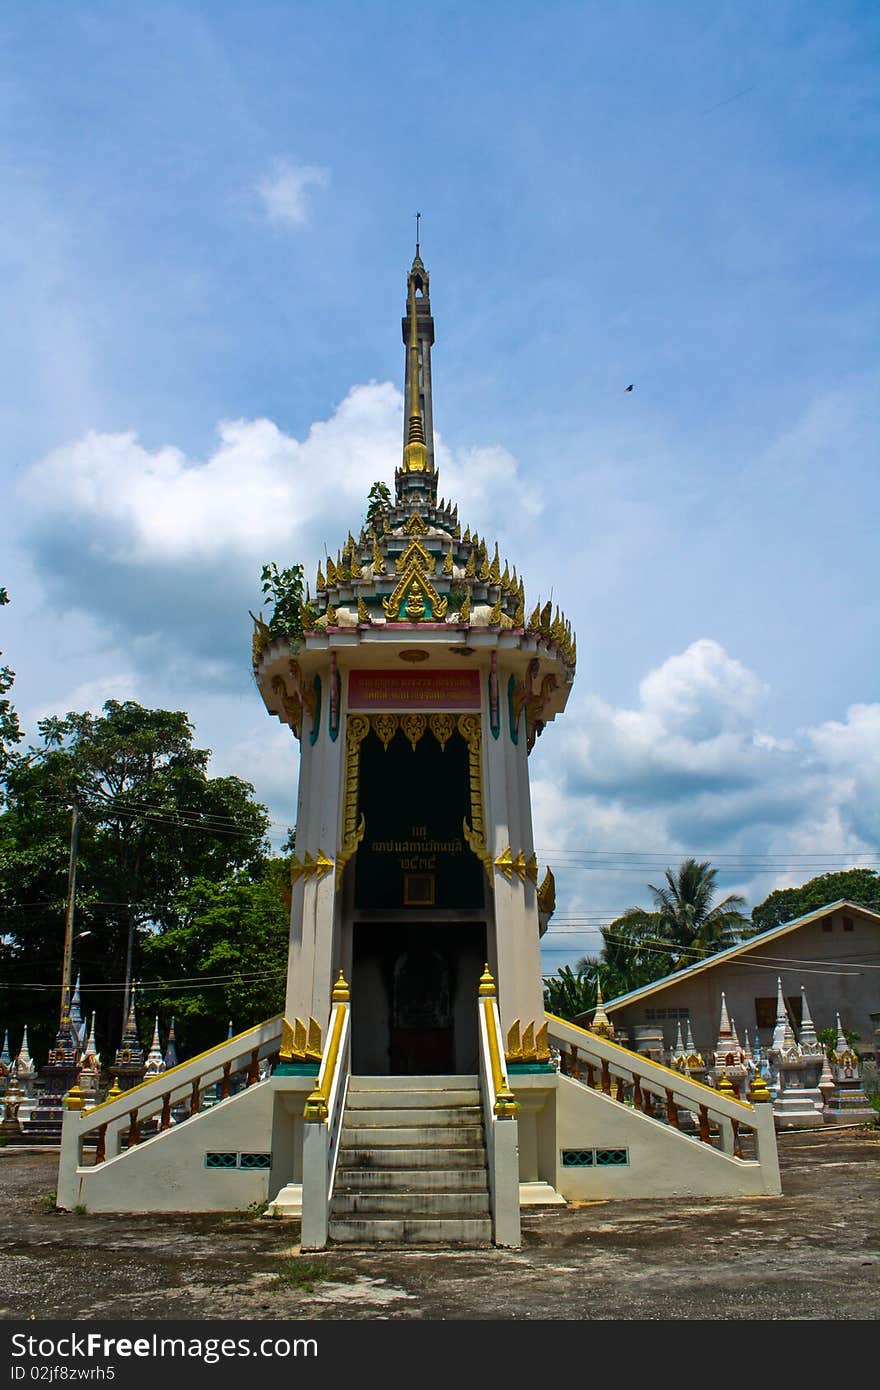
[[414, 570]]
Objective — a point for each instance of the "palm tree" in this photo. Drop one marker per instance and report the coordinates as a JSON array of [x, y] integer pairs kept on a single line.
[[689, 920], [684, 925]]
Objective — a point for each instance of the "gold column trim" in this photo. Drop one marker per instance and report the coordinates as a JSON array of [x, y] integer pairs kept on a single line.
[[529, 1044], [415, 526], [307, 867], [475, 833], [300, 1043], [504, 864], [357, 728]]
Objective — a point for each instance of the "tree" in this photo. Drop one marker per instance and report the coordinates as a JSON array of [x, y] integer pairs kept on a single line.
[[684, 925], [152, 823], [10, 730], [785, 904], [569, 992], [378, 501], [690, 922], [234, 935], [284, 590]]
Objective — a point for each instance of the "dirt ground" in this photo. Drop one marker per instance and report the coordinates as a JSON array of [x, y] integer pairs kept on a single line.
[[813, 1253]]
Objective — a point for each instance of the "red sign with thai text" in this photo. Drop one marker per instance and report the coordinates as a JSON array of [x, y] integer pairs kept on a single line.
[[402, 690]]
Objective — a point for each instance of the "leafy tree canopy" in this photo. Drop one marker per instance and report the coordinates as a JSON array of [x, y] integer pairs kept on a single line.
[[233, 935], [644, 944], [785, 904], [152, 824], [10, 730]]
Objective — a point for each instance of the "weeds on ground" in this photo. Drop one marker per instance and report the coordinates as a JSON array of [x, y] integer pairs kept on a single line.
[[251, 1213], [305, 1275], [45, 1202]]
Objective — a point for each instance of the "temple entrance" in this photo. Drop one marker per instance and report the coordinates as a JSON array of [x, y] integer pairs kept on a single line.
[[414, 992], [419, 931]]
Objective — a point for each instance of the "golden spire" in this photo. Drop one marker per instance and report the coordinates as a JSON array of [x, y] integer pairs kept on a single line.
[[415, 451]]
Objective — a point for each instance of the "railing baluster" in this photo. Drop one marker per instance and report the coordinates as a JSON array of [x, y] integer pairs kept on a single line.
[[704, 1125], [620, 1091], [637, 1092], [165, 1122], [606, 1077], [647, 1103], [101, 1149], [737, 1146], [254, 1068], [196, 1101], [671, 1110], [134, 1129], [575, 1063], [227, 1081], [591, 1075]]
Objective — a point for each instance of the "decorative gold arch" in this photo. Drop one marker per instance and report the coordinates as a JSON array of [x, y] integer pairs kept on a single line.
[[357, 728]]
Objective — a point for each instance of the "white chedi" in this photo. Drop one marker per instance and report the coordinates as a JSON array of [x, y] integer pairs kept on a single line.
[[155, 1062]]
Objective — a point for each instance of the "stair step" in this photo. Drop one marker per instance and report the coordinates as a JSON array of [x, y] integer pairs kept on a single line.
[[452, 1116], [366, 1157], [411, 1180], [384, 1230], [395, 1136], [410, 1100], [410, 1205], [416, 1085]]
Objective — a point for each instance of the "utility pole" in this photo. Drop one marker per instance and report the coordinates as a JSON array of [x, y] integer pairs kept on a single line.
[[67, 965]]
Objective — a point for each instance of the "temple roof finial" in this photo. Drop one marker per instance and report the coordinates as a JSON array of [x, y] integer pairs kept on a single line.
[[415, 452]]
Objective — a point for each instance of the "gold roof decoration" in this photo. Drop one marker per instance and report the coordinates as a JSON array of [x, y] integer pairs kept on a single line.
[[416, 565], [547, 893]]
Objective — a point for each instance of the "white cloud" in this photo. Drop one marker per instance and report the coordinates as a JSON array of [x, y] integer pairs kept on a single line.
[[285, 192], [168, 549], [689, 771]]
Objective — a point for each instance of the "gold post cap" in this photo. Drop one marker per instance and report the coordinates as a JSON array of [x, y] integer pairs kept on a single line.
[[341, 993], [74, 1098], [315, 1110], [487, 984]]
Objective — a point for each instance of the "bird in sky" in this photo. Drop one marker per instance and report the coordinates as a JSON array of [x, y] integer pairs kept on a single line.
[[628, 388]]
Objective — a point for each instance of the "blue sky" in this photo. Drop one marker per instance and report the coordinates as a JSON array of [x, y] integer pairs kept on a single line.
[[208, 213]]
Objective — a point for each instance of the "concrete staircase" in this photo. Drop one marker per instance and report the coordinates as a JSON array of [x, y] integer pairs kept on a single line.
[[412, 1163]]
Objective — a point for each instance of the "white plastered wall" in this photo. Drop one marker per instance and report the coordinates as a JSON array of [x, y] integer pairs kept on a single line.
[[168, 1173], [662, 1161]]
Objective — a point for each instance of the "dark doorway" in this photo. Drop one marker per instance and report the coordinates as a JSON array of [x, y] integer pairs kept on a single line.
[[414, 997], [421, 1012]]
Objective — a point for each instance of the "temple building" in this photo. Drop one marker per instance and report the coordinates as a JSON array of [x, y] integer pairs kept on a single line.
[[833, 947], [414, 1089]]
